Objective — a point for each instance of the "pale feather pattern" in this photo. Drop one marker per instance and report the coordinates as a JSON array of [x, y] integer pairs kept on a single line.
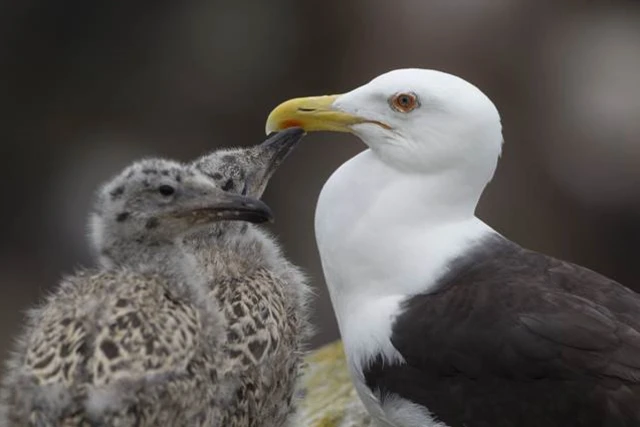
[[240, 366], [106, 348], [264, 300], [133, 344], [263, 347], [328, 397]]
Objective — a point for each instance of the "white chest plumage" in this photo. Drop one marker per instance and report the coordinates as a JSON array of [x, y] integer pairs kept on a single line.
[[379, 244]]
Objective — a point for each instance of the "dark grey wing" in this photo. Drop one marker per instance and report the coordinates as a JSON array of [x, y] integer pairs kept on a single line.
[[588, 337], [517, 338]]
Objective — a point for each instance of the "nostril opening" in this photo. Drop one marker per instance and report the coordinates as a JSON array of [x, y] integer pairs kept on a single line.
[[306, 110], [228, 185]]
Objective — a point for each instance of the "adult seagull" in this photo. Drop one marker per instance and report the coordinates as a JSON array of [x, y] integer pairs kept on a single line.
[[445, 321]]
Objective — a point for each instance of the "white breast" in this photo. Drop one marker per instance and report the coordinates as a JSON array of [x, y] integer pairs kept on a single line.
[[381, 239], [379, 242]]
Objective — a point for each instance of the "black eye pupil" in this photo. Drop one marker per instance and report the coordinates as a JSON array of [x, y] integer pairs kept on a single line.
[[166, 190], [404, 100]]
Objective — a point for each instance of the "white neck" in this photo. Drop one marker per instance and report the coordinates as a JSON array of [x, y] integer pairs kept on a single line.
[[383, 235]]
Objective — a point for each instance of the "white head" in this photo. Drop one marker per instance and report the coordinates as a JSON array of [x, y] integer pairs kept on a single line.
[[418, 121]]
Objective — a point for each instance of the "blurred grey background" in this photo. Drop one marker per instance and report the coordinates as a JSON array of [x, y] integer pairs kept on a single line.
[[88, 86]]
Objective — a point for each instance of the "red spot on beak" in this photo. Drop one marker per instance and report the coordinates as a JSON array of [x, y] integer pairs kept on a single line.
[[290, 123]]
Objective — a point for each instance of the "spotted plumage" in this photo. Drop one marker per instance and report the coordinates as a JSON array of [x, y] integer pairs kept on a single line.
[[135, 342], [260, 347], [106, 346], [262, 295]]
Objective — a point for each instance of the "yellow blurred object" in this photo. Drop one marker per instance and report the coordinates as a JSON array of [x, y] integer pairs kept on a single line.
[[329, 398]]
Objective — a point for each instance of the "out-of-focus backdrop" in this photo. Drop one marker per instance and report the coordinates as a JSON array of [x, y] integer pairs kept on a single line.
[[89, 86]]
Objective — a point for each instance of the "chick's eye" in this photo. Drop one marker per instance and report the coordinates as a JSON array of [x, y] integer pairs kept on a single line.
[[404, 102], [166, 190]]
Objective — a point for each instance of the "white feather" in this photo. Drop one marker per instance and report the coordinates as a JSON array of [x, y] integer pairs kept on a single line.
[[389, 221]]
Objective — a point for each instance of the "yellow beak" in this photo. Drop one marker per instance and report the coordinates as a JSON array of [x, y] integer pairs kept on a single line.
[[312, 114]]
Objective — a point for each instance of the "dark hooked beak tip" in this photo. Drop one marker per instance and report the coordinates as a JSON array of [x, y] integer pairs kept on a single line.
[[273, 151], [279, 144]]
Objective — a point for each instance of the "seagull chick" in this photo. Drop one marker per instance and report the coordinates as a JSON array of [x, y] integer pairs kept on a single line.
[[262, 296], [137, 342], [445, 321]]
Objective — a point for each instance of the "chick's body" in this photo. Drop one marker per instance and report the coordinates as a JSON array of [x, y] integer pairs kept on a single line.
[[261, 303], [263, 297], [116, 348], [135, 342]]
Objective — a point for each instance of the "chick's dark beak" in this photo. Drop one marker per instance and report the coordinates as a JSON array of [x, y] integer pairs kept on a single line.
[[270, 155], [278, 145], [243, 208], [228, 207]]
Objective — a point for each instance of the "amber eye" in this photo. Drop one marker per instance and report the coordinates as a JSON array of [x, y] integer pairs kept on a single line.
[[404, 102]]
